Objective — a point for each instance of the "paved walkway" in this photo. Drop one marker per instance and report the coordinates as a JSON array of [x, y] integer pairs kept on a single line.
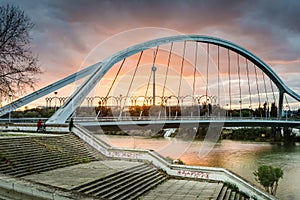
[[69, 177], [184, 189]]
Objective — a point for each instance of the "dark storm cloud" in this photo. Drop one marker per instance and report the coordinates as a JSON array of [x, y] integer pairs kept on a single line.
[[67, 30]]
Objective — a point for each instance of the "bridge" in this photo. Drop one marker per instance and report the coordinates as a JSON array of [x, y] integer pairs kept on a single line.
[[185, 80]]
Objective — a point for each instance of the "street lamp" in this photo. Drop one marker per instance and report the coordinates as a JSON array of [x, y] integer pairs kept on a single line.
[[153, 70], [240, 108], [286, 112], [226, 110], [9, 114], [55, 93]]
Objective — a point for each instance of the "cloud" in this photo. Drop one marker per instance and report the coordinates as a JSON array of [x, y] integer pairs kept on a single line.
[[66, 31]]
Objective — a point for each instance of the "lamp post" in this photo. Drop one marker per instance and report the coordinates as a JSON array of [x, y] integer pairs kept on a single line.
[[153, 70], [227, 110], [286, 112], [240, 108], [55, 93], [9, 114]]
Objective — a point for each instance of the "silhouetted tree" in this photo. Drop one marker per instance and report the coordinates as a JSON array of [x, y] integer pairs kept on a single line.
[[274, 111], [18, 67]]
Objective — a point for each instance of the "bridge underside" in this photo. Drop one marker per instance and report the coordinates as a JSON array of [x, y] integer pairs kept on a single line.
[[157, 125]]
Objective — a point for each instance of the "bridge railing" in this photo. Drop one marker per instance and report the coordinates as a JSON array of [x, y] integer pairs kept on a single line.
[[147, 118], [21, 120]]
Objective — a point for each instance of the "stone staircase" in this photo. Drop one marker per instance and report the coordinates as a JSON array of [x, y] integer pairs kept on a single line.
[[228, 193], [128, 184], [21, 156]]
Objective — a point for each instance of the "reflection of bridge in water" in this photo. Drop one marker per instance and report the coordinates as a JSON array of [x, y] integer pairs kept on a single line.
[[206, 79]]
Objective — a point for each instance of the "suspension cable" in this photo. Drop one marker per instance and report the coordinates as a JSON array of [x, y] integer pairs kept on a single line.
[[229, 78], [257, 85], [249, 86], [207, 66], [154, 59], [181, 71], [115, 78], [130, 85], [218, 75], [168, 65], [287, 103], [265, 85], [194, 80], [274, 98], [239, 74]]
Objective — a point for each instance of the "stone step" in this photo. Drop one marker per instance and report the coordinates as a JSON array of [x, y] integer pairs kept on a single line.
[[222, 193], [115, 191], [136, 193], [232, 195], [5, 167], [92, 187], [25, 172], [237, 196], [41, 162], [116, 184], [27, 155], [143, 180], [227, 194], [20, 159]]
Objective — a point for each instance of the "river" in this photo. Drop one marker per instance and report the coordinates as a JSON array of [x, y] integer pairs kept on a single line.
[[240, 157]]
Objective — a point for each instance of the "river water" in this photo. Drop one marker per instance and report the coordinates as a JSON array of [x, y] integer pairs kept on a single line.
[[240, 157]]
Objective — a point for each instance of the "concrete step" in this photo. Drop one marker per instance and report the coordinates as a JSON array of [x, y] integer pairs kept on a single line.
[[138, 183], [83, 187], [227, 194], [136, 193], [27, 170], [232, 195], [119, 183], [222, 193], [21, 159], [237, 196], [27, 155], [110, 180]]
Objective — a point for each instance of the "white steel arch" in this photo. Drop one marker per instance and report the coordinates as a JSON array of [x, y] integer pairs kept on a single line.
[[78, 96]]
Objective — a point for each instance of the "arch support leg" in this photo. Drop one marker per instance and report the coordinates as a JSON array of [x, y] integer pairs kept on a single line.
[[280, 104]]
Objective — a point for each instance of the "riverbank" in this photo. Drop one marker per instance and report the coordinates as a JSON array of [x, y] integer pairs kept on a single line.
[[241, 157], [200, 134]]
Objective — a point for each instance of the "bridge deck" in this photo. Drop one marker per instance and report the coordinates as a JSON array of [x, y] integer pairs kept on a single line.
[[187, 123]]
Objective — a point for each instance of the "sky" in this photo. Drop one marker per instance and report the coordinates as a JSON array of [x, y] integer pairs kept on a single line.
[[66, 32]]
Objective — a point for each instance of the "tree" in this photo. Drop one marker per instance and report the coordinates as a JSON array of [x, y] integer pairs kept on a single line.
[[18, 67], [268, 177], [274, 111]]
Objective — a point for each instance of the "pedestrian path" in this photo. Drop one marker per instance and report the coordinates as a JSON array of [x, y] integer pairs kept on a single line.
[[70, 177], [184, 189]]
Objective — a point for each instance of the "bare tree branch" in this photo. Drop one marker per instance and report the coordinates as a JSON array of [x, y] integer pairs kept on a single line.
[[18, 67]]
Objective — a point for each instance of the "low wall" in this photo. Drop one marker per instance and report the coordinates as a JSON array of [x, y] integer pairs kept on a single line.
[[16, 188], [31, 127], [204, 173]]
